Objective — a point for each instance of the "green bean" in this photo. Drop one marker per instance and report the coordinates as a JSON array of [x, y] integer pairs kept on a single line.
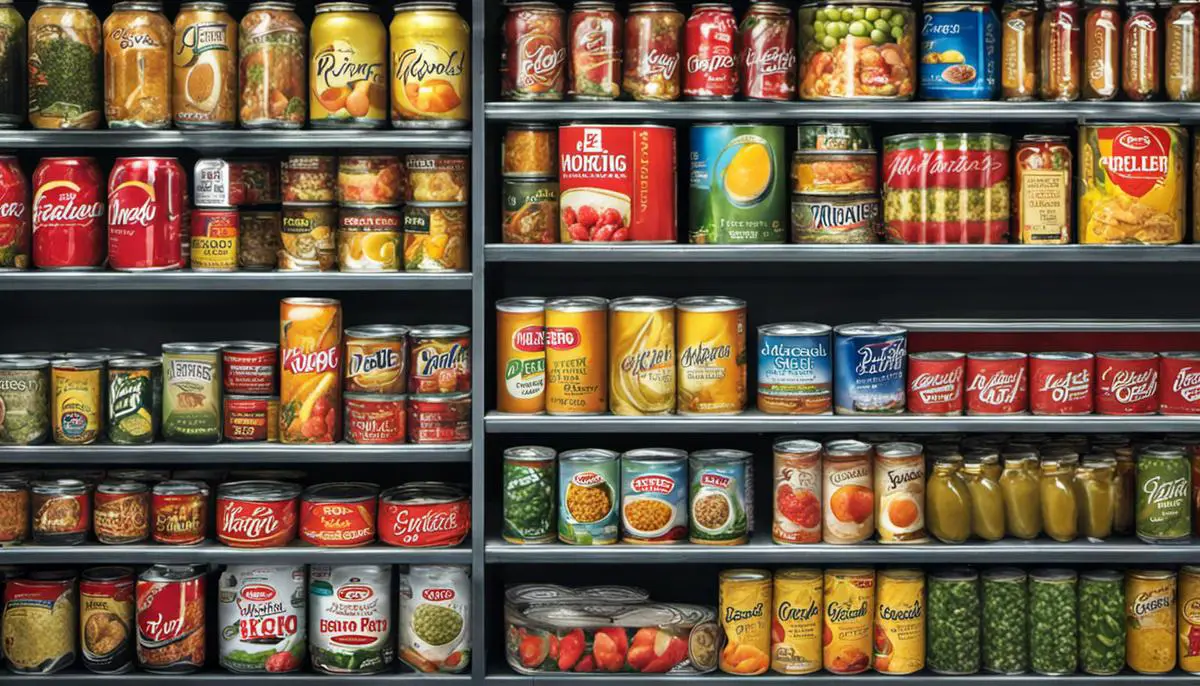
[[1005, 621], [952, 636], [1052, 621], [1101, 622]]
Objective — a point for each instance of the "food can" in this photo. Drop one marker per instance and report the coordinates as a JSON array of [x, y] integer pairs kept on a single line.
[[711, 372], [259, 239], [214, 244], [641, 349], [653, 51], [529, 150], [248, 367], [530, 485], [737, 188], [795, 368], [1042, 195], [430, 46], [576, 355], [1164, 494], [721, 497], [179, 512], [424, 514], [817, 136], [25, 397], [134, 400], [899, 621], [1150, 619], [654, 502], [368, 239], [437, 177], [997, 383], [849, 604], [435, 617], [1179, 378], [257, 514], [375, 418], [192, 392], [348, 73], [309, 179], [339, 514], [435, 237], [440, 359], [349, 618], [848, 495], [261, 612], [247, 417], [40, 624], [106, 615], [797, 492], [204, 70], [835, 172], [521, 355], [744, 607], [60, 511], [376, 359], [797, 629], [1189, 619], [835, 218], [589, 482], [14, 497], [369, 181], [439, 418], [530, 211], [171, 621], [1060, 383], [76, 391], [121, 512], [594, 37], [768, 52], [310, 370], [308, 239], [960, 50], [868, 363], [221, 183], [1132, 183], [1127, 383], [900, 493], [533, 56], [935, 383], [137, 67]]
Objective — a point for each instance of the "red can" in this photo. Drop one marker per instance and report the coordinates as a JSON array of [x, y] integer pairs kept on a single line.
[[247, 417], [249, 367], [935, 383], [1126, 383], [617, 183], [257, 514], [145, 207], [179, 510], [710, 48], [997, 383], [68, 214], [1180, 376], [1061, 383], [768, 40], [424, 514], [594, 36], [375, 418], [439, 418], [653, 51], [534, 57], [170, 619], [14, 215], [339, 515]]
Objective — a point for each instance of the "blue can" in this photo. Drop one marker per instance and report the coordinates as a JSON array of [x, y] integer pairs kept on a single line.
[[960, 51], [795, 368], [869, 361]]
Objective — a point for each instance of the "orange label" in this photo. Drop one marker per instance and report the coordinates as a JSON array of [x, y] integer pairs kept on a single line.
[[576, 361], [521, 362], [642, 361], [310, 344], [745, 607]]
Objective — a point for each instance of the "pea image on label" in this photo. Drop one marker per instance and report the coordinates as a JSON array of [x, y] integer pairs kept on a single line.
[[588, 491]]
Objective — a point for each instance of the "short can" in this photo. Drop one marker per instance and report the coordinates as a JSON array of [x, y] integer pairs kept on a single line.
[[60, 511], [1189, 619], [257, 514], [795, 368], [935, 383], [797, 628], [339, 514], [424, 514], [797, 491], [435, 237], [720, 497], [530, 211], [900, 607], [576, 342], [849, 619], [1126, 383], [439, 418], [744, 608], [14, 498], [1151, 620], [530, 151], [106, 615], [528, 504], [350, 618], [521, 355], [869, 365], [170, 618], [654, 502], [737, 187], [641, 352], [440, 359], [835, 218], [134, 400], [900, 493], [435, 617], [259, 234], [840, 172], [437, 177], [248, 367], [246, 417], [309, 179], [308, 239], [997, 383], [711, 375], [375, 418], [848, 491], [1164, 494], [1179, 383], [368, 239], [833, 136], [214, 240], [589, 483], [376, 359], [192, 383], [179, 512], [370, 181], [25, 397], [76, 393], [121, 512], [960, 51], [1060, 383], [41, 626]]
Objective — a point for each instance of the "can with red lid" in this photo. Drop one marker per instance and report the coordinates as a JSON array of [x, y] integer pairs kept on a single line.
[[1179, 379], [179, 512], [14, 215], [768, 60], [1061, 383], [424, 514], [257, 514], [935, 383], [68, 213], [439, 418], [375, 418], [248, 367], [145, 213], [247, 417], [1126, 383], [710, 53], [997, 383], [340, 514]]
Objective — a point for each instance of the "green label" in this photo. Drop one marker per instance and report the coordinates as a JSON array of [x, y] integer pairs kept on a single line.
[[1164, 488], [738, 184], [529, 502], [131, 414], [192, 398]]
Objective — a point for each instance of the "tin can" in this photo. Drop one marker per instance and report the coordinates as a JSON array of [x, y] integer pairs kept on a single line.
[[1189, 619], [35, 600], [738, 184], [1043, 193], [1061, 383], [223, 183], [745, 614], [430, 59], [1126, 383], [310, 370], [61, 511], [768, 60], [795, 369], [437, 177], [797, 492], [205, 46], [529, 151], [77, 414], [654, 502], [1132, 182], [376, 359], [348, 70], [257, 514], [1179, 375], [641, 349], [849, 604], [533, 57], [259, 239], [960, 50], [530, 211], [797, 628], [1164, 495], [435, 237], [869, 365], [246, 417], [521, 355], [900, 493], [171, 619], [106, 614], [261, 610], [848, 495], [145, 205], [424, 514], [192, 392], [68, 210], [576, 355], [997, 383], [899, 621], [441, 359], [25, 397], [589, 483], [375, 418], [308, 239], [214, 240], [370, 181], [14, 491], [721, 497], [710, 70], [339, 514], [1150, 615], [179, 512], [935, 383], [309, 179], [368, 240], [248, 367], [712, 355], [594, 35], [350, 611], [134, 400], [653, 51], [137, 67], [439, 418], [818, 136], [15, 224], [121, 512], [530, 484]]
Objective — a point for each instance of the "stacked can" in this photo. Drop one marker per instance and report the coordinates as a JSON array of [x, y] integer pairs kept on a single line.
[[310, 217], [439, 384], [835, 184], [233, 219], [370, 190], [530, 192], [376, 379], [251, 398], [435, 218]]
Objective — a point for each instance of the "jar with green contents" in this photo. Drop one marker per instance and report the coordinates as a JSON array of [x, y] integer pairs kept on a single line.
[[1101, 622], [134, 400], [1124, 495], [948, 502], [1094, 494], [1164, 492], [1052, 621], [1022, 499], [952, 634], [528, 501], [1005, 601], [1060, 509], [987, 502]]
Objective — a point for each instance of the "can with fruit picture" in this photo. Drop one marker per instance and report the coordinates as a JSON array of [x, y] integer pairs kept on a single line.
[[899, 621], [348, 73], [745, 614], [310, 370], [738, 184], [849, 605]]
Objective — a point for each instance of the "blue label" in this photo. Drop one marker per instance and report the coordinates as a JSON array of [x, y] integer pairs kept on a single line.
[[869, 374], [794, 366], [960, 54]]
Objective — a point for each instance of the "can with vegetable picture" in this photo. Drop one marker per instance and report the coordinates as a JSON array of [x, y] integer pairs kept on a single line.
[[529, 487]]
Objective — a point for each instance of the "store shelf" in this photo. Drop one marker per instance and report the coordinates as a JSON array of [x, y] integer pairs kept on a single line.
[[237, 139], [216, 676], [213, 552], [753, 421], [222, 453], [230, 281], [1046, 325], [824, 679]]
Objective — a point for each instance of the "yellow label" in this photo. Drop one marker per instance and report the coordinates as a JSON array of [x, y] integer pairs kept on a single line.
[[712, 362], [348, 69], [576, 361], [745, 607], [217, 253], [76, 405], [1150, 623], [641, 367], [431, 76], [1044, 206], [1189, 621], [105, 620], [368, 251], [849, 605], [900, 622], [796, 629]]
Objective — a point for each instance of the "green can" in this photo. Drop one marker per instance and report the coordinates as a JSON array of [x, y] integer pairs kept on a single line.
[[721, 500], [589, 483], [1102, 622], [191, 392], [738, 184], [529, 494], [530, 211], [134, 400], [1164, 491]]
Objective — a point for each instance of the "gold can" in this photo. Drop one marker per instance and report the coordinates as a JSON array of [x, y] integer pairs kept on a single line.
[[849, 600], [576, 355], [307, 239], [1189, 619], [61, 98], [641, 350], [204, 84], [347, 74], [431, 66], [367, 239], [745, 614], [521, 355], [711, 374], [76, 391], [273, 419], [796, 633], [899, 621], [1150, 621], [435, 237], [530, 151], [137, 67], [437, 178], [106, 614]]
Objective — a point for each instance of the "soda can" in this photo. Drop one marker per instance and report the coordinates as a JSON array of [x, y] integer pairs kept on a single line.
[[1061, 383], [521, 355], [899, 621], [869, 365], [997, 383], [68, 213], [1126, 383], [712, 355], [795, 369], [797, 493], [768, 60], [797, 629], [145, 213], [641, 349], [710, 53], [849, 602], [310, 370], [1179, 376], [576, 355], [935, 383]]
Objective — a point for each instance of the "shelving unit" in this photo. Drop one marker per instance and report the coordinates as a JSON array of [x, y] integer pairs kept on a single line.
[[238, 140], [187, 280], [503, 676], [217, 676], [846, 254], [233, 453], [216, 553]]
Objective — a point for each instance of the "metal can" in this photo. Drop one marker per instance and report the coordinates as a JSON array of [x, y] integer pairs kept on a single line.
[[712, 355], [653, 51], [848, 494], [137, 67], [997, 383], [205, 46], [247, 417], [589, 483], [192, 392], [67, 211], [170, 619], [145, 205], [1061, 383], [797, 629], [248, 367], [214, 245], [430, 66], [77, 415], [38, 600], [1126, 383], [654, 502], [61, 511], [259, 239], [25, 397], [106, 614], [594, 34], [738, 184], [225, 183], [424, 514], [439, 418], [14, 495], [179, 510], [795, 368], [744, 608], [533, 56], [935, 383], [339, 514], [1164, 494], [797, 492], [849, 618], [768, 60], [1132, 183], [1189, 619], [435, 237], [261, 612], [375, 418], [437, 177], [63, 99], [641, 350], [257, 514], [376, 359], [14, 197], [576, 343], [960, 45], [721, 497], [309, 179], [370, 181], [349, 618], [1179, 378], [121, 512], [529, 151], [440, 359], [900, 493], [530, 211], [310, 370], [308, 239], [868, 364], [1150, 618], [530, 484], [710, 53], [348, 70], [900, 607], [520, 355], [368, 240], [134, 400], [442, 592], [1043, 195]]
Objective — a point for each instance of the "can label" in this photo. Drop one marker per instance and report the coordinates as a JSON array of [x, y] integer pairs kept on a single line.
[[246, 419], [738, 184], [192, 397], [250, 524], [835, 219], [796, 634], [935, 383], [179, 519], [712, 361], [310, 371], [440, 364], [588, 501], [168, 614], [1151, 620], [425, 525], [997, 383], [849, 604], [1061, 385], [214, 240], [131, 405], [797, 498], [1180, 377], [338, 525], [869, 373], [900, 498], [576, 362], [745, 607], [641, 348], [376, 366], [375, 419], [76, 393], [1189, 621], [521, 363], [849, 500], [718, 503], [249, 372], [1126, 383], [107, 603], [528, 502], [439, 420], [899, 623], [653, 501], [795, 374]]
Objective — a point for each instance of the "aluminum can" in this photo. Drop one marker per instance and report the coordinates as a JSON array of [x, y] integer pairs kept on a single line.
[[134, 393], [272, 62], [1189, 619], [1164, 495], [795, 368], [192, 392], [145, 205], [1061, 383], [214, 240], [249, 367], [589, 495], [900, 608], [106, 600], [868, 369], [576, 355], [376, 359], [121, 512], [712, 355], [261, 611], [257, 514], [137, 66], [849, 604], [347, 75], [25, 396], [1179, 378], [797, 629], [171, 619], [594, 33], [375, 417], [721, 497], [797, 491], [424, 514], [529, 504], [440, 359], [179, 510], [653, 51], [997, 383], [710, 53], [654, 498], [76, 393], [204, 83], [900, 493], [935, 383], [368, 239], [339, 514], [431, 66], [521, 355], [1126, 383], [440, 418], [641, 350], [68, 214], [744, 610], [737, 184], [14, 210], [65, 98], [533, 59], [60, 511], [768, 60], [847, 492], [247, 417], [310, 370]]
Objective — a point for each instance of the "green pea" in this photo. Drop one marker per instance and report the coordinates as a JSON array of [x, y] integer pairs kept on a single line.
[[885, 13], [953, 625], [808, 31], [879, 37], [858, 28], [1101, 622], [819, 26], [830, 42], [858, 13], [847, 15], [897, 32], [898, 20], [1005, 621], [1053, 622], [872, 14]]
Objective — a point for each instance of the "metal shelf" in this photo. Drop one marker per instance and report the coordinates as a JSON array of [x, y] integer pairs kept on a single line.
[[216, 676], [249, 453], [826, 679], [213, 552], [237, 139], [186, 280], [753, 421], [1046, 325]]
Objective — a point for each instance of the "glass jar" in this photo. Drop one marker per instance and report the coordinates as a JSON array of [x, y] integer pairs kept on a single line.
[[1101, 50], [1005, 604], [989, 460], [1182, 53], [1125, 497], [854, 49], [952, 628], [1094, 495], [1101, 622], [948, 502], [1018, 50], [1141, 53], [1059, 41], [987, 503], [1022, 500], [1052, 621], [1060, 509]]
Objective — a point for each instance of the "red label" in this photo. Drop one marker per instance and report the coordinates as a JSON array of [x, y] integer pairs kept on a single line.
[[338, 524], [246, 419], [258, 593], [249, 373], [652, 483], [14, 213], [768, 56], [439, 422], [145, 196], [996, 386], [710, 66], [246, 524], [1179, 392], [438, 595], [168, 612], [562, 338], [179, 519], [935, 386], [67, 213], [1140, 157], [375, 421], [425, 525], [1061, 386], [1126, 385], [540, 59], [355, 594], [710, 479], [530, 339], [916, 168]]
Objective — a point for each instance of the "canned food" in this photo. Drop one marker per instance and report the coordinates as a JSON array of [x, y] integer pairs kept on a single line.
[[641, 350], [369, 180], [214, 240], [721, 498], [134, 400], [435, 237], [14, 504], [744, 596], [576, 343], [171, 619], [817, 136], [349, 618], [308, 239], [437, 178], [1132, 183], [340, 514], [530, 484], [797, 492], [31, 605], [439, 418], [654, 506], [375, 418], [1042, 195], [530, 211], [795, 369], [712, 355], [424, 514], [935, 383], [900, 493], [248, 367], [310, 370], [589, 496], [737, 188], [376, 359], [849, 600], [440, 359], [868, 371], [521, 355], [430, 65], [106, 615], [368, 239], [259, 239], [797, 624], [261, 612], [997, 383], [840, 172], [179, 510], [121, 512], [960, 43], [1127, 383], [24, 395], [1150, 618], [192, 392], [847, 492], [900, 607], [223, 184], [246, 417], [257, 514], [76, 393], [530, 150], [61, 511], [434, 617], [309, 179]]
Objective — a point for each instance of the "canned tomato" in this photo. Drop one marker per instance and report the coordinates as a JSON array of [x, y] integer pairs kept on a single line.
[[1061, 383], [257, 514], [997, 383], [520, 355], [106, 600], [134, 400], [576, 342], [369, 180], [368, 239], [797, 491], [75, 400], [935, 383], [529, 150], [424, 514], [439, 418], [900, 493], [868, 375], [712, 355], [339, 514], [1126, 383], [721, 498], [61, 511], [247, 417], [641, 351], [25, 396], [121, 512], [309, 179], [179, 511], [214, 244], [437, 177], [440, 359], [588, 496], [170, 619], [795, 369], [376, 359], [654, 506], [849, 601], [899, 621], [744, 602], [797, 626], [435, 237], [258, 239], [308, 239], [530, 211], [248, 367], [848, 493], [835, 218], [375, 418], [528, 502], [192, 384], [1179, 378]]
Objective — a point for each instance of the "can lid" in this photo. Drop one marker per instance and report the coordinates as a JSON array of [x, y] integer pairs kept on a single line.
[[1107, 575], [134, 363], [1054, 575], [1005, 574], [709, 303], [441, 397], [579, 303], [1191, 356], [898, 449], [521, 304], [78, 363], [798, 574], [937, 355], [109, 573], [954, 574], [180, 487], [847, 447], [1126, 355], [183, 348], [640, 303], [588, 455], [320, 302], [1062, 355], [164, 573], [341, 492], [655, 455], [60, 487], [794, 329], [418, 492], [1153, 574], [439, 331], [721, 455], [258, 491], [745, 575], [996, 355], [793, 445], [16, 363], [868, 329], [1162, 451], [342, 6], [122, 487], [372, 397], [529, 453], [377, 331]]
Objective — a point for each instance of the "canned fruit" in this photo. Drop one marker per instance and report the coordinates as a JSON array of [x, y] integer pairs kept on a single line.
[[430, 58], [368, 240], [745, 607], [533, 58], [900, 493], [849, 604], [376, 359], [847, 492], [653, 51], [437, 178], [309, 179], [369, 180], [797, 634], [347, 67], [272, 64], [435, 238]]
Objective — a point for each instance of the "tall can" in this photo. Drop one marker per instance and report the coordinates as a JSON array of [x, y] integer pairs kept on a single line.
[[347, 73], [171, 619], [65, 74], [1164, 495], [900, 493], [192, 392], [76, 393], [710, 53], [768, 60], [310, 370], [14, 204], [14, 67], [1189, 619], [738, 184], [431, 66], [641, 350], [528, 503], [795, 368], [868, 369], [745, 610], [145, 213], [1150, 618], [847, 492], [576, 355], [134, 400], [796, 492], [711, 374], [594, 33], [204, 83], [899, 639], [106, 603], [68, 222], [533, 59], [796, 625], [272, 64], [521, 355], [137, 66], [849, 611]]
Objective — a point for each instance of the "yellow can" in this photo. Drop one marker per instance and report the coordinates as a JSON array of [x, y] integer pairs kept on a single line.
[[1132, 183], [849, 604], [204, 87], [641, 350], [521, 355], [796, 628], [900, 621], [712, 355], [75, 391], [431, 66], [745, 607], [347, 71], [1150, 621], [1189, 619], [576, 355]]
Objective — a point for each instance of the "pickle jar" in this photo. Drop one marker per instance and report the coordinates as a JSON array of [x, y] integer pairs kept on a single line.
[[1060, 509], [1018, 50], [987, 502], [1101, 50], [1022, 500], [1140, 54], [1181, 67], [948, 502], [1059, 45], [1094, 495]]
